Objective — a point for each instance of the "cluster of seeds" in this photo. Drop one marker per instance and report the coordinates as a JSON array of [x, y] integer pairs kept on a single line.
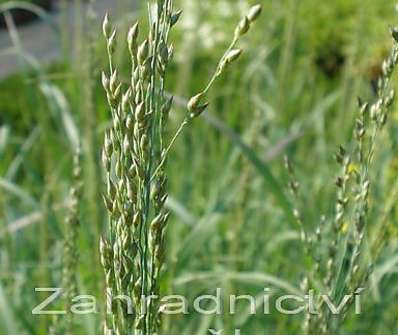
[[342, 269], [134, 156], [133, 149]]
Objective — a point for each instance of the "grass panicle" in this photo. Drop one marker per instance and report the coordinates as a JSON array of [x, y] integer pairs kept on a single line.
[[341, 266], [134, 157]]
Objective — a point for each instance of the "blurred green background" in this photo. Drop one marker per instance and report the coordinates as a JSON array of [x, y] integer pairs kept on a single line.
[[294, 92]]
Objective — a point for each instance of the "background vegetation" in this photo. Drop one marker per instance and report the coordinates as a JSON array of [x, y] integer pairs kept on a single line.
[[294, 92]]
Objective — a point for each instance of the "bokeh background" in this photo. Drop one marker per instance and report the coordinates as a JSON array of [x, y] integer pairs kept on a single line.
[[293, 92]]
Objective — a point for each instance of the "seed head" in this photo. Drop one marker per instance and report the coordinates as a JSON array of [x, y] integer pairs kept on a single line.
[[132, 38], [233, 55], [243, 27], [117, 91], [198, 110], [113, 81], [106, 27], [126, 99], [194, 101], [254, 13], [105, 81], [175, 17], [143, 52]]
